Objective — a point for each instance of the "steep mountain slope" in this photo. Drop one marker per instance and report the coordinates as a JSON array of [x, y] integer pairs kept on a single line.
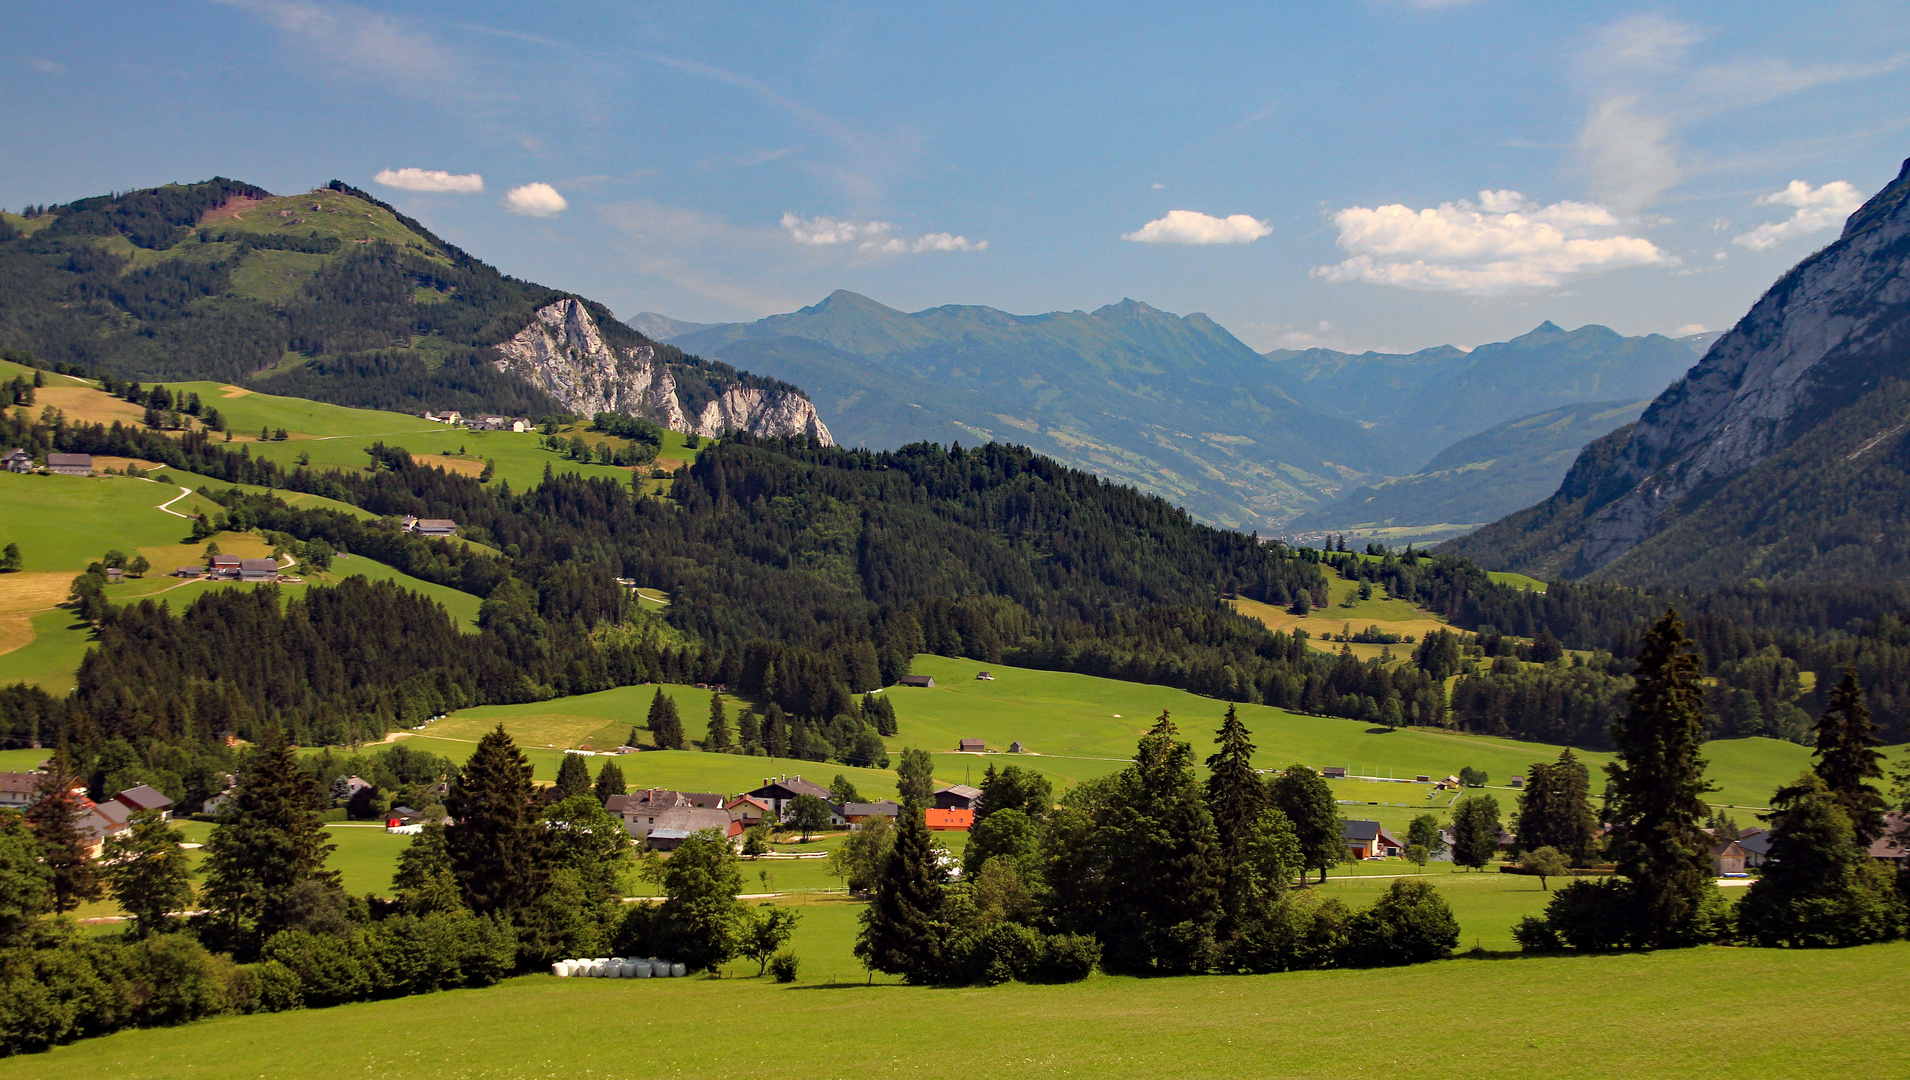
[[1780, 456], [1424, 401], [1478, 479], [1174, 405], [330, 295]]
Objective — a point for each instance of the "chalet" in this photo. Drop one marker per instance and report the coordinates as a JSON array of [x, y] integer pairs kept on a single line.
[[1333, 772], [674, 826], [225, 566], [1369, 840], [1894, 844], [972, 746], [16, 788], [1016, 747], [258, 570], [70, 464], [639, 809], [749, 811], [950, 820], [1727, 859], [778, 794], [114, 816], [431, 526], [858, 812], [16, 461], [1757, 847], [957, 797], [916, 680], [450, 417], [1517, 782], [145, 798]]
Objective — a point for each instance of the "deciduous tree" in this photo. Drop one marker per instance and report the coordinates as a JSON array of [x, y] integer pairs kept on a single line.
[[1307, 801], [915, 778], [148, 872], [1475, 831], [1165, 863]]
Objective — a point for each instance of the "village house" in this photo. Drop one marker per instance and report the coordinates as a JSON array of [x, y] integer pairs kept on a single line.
[[16, 789], [1727, 859], [639, 809], [675, 826], [916, 680], [114, 816], [1894, 844], [856, 813], [956, 797], [70, 464], [749, 811], [224, 566], [16, 461], [1369, 840], [498, 423], [778, 794], [1757, 847], [258, 570], [950, 820], [972, 746], [430, 526]]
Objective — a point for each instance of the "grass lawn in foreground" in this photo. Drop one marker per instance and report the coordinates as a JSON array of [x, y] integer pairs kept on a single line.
[[1647, 1015]]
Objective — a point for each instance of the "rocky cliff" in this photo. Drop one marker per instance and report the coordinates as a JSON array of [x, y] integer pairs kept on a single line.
[[1831, 335], [564, 353]]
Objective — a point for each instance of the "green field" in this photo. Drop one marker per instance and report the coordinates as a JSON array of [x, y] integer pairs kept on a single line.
[[1794, 1013]]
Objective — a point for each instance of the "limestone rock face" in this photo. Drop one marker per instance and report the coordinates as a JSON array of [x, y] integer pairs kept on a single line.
[[563, 352]]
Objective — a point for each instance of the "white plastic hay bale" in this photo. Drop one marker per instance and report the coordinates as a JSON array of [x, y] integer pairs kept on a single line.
[[677, 971], [639, 969], [560, 970]]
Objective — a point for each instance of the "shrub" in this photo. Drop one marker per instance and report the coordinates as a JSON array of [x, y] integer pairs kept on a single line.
[[329, 969], [783, 966], [175, 980], [278, 987], [1409, 924], [1534, 934], [1301, 931], [1064, 958], [998, 954], [1590, 914]]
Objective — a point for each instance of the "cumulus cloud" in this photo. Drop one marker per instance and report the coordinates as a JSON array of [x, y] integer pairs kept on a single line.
[[535, 200], [872, 236], [1817, 208], [431, 180], [1502, 241], [1194, 227]]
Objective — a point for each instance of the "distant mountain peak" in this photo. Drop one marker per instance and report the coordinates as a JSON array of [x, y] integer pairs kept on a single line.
[[1547, 327]]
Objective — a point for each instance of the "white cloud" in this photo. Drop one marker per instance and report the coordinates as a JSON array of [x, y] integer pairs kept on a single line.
[[535, 200], [871, 236], [363, 42], [1689, 329], [1194, 227], [1500, 242], [431, 180], [46, 67], [1818, 208]]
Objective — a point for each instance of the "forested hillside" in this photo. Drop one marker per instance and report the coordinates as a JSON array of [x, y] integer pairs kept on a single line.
[[331, 295]]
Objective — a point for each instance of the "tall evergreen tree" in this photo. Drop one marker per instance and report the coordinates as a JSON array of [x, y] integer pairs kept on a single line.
[[1307, 801], [268, 843], [775, 731], [55, 815], [26, 884], [719, 740], [573, 776], [1475, 831], [1656, 798], [1165, 863], [1555, 809], [1820, 887], [498, 849], [1235, 793], [148, 872], [902, 928], [666, 728], [1848, 759], [610, 781], [915, 777]]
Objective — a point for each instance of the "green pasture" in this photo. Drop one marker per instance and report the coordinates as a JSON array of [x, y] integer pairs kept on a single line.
[[24, 760], [1670, 1013], [51, 660], [62, 523], [1517, 581]]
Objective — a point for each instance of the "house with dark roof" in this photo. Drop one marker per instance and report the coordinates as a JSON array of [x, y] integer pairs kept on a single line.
[[1894, 844], [1727, 859], [916, 680], [957, 797], [258, 570], [680, 823], [858, 812], [145, 797], [639, 809], [70, 464], [778, 794], [972, 746], [1369, 840], [16, 789], [224, 566], [16, 460], [431, 526]]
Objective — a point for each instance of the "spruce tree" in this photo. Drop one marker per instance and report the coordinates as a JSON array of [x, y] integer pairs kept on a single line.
[[1475, 831], [610, 781], [666, 728], [915, 777], [1848, 759], [498, 848], [26, 884], [1820, 887], [719, 741], [902, 931], [1165, 863], [55, 818], [775, 731], [1656, 798], [269, 841], [148, 872], [749, 732], [573, 777], [1307, 801], [1555, 809], [1235, 793]]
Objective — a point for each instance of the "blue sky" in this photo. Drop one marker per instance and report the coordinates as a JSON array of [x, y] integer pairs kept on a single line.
[[1365, 174]]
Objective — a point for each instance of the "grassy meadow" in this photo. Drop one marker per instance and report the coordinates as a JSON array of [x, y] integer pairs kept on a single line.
[[1653, 1014]]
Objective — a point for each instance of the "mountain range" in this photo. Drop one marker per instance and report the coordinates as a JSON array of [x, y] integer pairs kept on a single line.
[[1781, 456], [334, 295]]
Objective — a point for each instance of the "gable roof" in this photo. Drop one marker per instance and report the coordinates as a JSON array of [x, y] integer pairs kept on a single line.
[[883, 808], [1359, 830], [692, 819], [143, 797], [18, 782], [962, 790], [950, 819], [70, 459], [1895, 841], [791, 786]]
